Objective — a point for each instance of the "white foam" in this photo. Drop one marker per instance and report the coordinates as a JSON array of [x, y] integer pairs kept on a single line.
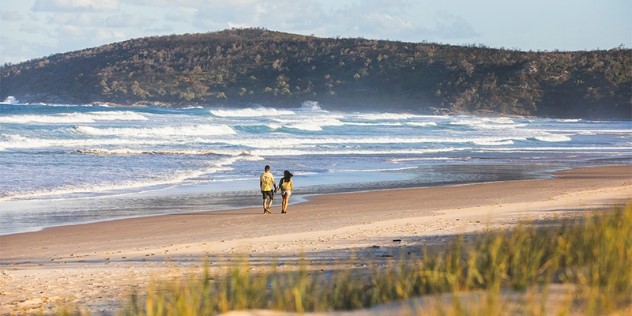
[[118, 116], [553, 138], [10, 100], [315, 124], [243, 155], [377, 169], [385, 116], [251, 112], [306, 127], [193, 130], [582, 149], [493, 142], [294, 142], [569, 120], [27, 119], [421, 124], [274, 126], [486, 122], [398, 160], [374, 124], [342, 152], [312, 106], [600, 131], [128, 151], [22, 142], [223, 134], [126, 186], [74, 118]]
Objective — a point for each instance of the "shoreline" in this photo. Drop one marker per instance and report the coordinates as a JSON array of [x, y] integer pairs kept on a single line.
[[98, 264], [302, 197]]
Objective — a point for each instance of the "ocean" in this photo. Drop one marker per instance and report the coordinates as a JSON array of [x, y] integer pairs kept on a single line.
[[70, 164]]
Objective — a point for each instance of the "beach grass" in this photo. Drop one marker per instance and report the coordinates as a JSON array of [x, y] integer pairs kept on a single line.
[[499, 272]]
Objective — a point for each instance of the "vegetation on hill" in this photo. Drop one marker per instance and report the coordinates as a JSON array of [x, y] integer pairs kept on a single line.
[[243, 66]]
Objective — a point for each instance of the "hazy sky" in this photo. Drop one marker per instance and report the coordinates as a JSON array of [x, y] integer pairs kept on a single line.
[[37, 28]]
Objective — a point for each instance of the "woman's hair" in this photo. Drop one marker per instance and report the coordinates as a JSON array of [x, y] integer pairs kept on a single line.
[[287, 175]]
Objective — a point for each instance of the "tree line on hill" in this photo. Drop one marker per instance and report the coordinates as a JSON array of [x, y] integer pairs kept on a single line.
[[238, 67]]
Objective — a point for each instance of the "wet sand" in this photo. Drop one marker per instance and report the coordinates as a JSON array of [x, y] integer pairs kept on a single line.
[[97, 265]]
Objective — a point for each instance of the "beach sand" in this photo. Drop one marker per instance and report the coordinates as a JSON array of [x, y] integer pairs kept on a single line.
[[98, 265]]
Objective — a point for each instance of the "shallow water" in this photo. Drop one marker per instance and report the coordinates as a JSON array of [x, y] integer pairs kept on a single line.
[[67, 164]]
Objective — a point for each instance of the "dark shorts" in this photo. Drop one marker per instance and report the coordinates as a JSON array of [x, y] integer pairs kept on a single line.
[[267, 193]]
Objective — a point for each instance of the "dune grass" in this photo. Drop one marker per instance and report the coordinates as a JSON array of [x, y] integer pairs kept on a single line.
[[505, 270]]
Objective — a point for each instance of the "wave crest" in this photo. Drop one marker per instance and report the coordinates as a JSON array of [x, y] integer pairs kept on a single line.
[[251, 112], [194, 130], [74, 118]]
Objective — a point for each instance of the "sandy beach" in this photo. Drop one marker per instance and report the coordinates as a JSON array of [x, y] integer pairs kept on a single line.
[[98, 265]]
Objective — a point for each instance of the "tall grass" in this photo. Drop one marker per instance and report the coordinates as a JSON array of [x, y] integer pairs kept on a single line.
[[504, 270]]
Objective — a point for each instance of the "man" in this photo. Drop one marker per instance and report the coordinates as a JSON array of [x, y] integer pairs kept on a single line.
[[266, 181]]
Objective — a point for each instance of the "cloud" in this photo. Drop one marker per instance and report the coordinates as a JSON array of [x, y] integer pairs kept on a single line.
[[287, 15], [298, 16], [450, 26], [371, 19], [15, 49], [73, 37], [224, 14], [127, 20], [160, 30], [396, 20], [381, 24], [31, 28], [84, 20], [181, 15], [192, 3], [75, 5], [108, 36], [72, 32], [211, 15], [10, 16]]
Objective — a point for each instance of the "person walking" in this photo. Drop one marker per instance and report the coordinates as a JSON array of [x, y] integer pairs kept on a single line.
[[286, 186], [266, 181]]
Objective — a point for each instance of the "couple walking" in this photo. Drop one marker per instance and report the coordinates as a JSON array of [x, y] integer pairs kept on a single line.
[[269, 187]]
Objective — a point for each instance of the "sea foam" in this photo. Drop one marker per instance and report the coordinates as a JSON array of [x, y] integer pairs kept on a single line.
[[124, 156], [193, 130], [251, 112], [74, 118]]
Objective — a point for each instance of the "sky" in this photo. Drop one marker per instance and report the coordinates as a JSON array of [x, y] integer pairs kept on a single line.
[[38, 28]]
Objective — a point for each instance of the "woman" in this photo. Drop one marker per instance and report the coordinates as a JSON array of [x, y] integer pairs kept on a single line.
[[286, 186]]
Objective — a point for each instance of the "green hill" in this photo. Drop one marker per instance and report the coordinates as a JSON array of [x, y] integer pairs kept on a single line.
[[244, 66]]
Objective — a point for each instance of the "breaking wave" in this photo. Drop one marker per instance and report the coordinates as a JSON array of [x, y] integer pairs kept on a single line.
[[194, 130], [74, 118], [126, 186], [251, 112]]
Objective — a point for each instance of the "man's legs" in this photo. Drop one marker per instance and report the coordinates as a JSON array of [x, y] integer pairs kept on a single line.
[[270, 203], [265, 197], [266, 208]]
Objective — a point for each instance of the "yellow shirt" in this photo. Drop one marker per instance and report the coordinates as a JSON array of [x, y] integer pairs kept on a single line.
[[266, 180], [287, 186]]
